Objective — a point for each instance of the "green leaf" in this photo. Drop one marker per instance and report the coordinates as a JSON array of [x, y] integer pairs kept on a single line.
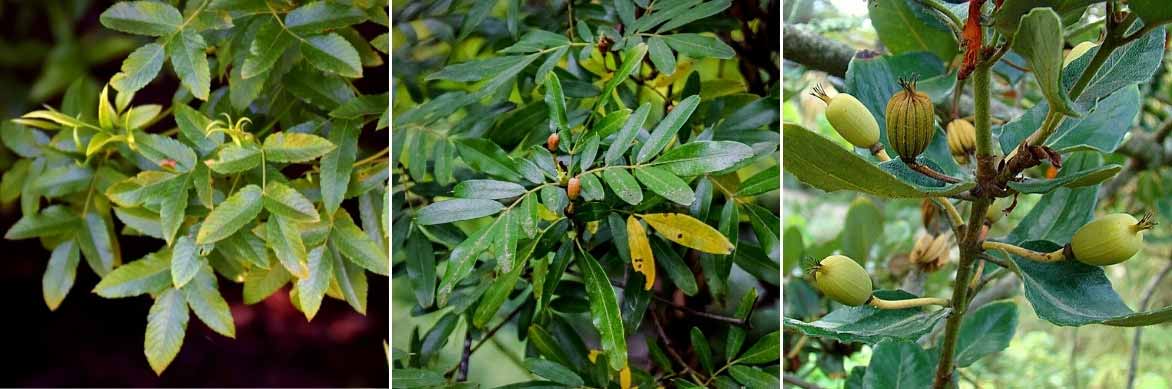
[[753, 377], [986, 331], [661, 55], [60, 274], [139, 68], [613, 122], [702, 157], [622, 141], [1010, 12], [283, 236], [821, 163], [337, 165], [1058, 214], [421, 268], [53, 220], [899, 364], [1039, 40], [357, 245], [604, 311], [106, 114], [635, 301], [909, 26], [480, 69], [699, 46], [286, 202], [662, 13], [332, 53], [63, 180], [166, 326], [496, 294], [546, 345], [351, 280], [416, 378], [623, 185], [232, 159], [462, 259], [13, 180], [192, 128], [588, 153], [190, 62], [553, 371], [456, 210], [556, 100], [736, 335], [475, 16], [322, 16], [185, 261], [295, 147], [870, 325], [203, 296], [1071, 179], [141, 220], [765, 181], [765, 350], [626, 11], [261, 283], [487, 189], [1151, 11], [699, 12], [96, 239], [150, 274], [632, 58], [1101, 128], [666, 130], [231, 215], [486, 156], [677, 271], [665, 184], [591, 187], [142, 17], [312, 288], [537, 40], [173, 208], [270, 43], [700, 347], [861, 230], [160, 149]]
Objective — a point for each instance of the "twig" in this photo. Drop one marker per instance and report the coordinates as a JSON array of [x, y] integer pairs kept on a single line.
[[463, 375], [1149, 291], [487, 336], [794, 380], [671, 350], [685, 309], [928, 171], [969, 378]]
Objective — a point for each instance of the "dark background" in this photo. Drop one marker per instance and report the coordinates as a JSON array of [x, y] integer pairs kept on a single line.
[[93, 341]]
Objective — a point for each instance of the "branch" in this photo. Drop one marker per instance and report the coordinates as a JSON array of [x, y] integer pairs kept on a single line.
[[795, 381], [804, 46], [1149, 291], [685, 309]]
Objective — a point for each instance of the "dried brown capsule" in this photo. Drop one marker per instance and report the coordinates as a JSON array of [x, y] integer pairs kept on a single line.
[[910, 121]]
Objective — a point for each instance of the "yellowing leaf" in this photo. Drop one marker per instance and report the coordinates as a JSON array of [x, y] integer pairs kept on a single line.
[[625, 377], [641, 257], [689, 232]]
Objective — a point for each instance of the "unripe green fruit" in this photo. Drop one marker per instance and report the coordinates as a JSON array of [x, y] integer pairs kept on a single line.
[[1109, 239], [910, 121], [850, 118], [843, 280], [997, 209], [962, 139], [1077, 52]]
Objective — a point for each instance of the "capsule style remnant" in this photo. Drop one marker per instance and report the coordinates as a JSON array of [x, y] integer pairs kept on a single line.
[[850, 118], [843, 280], [1110, 239], [910, 121], [962, 140]]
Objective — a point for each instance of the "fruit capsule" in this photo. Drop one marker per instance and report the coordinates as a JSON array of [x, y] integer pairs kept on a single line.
[[997, 209], [551, 143], [1110, 239], [843, 280], [910, 121], [850, 118], [573, 187], [962, 139]]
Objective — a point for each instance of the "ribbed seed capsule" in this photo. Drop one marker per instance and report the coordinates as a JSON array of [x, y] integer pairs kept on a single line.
[[1110, 239], [910, 121], [850, 118], [962, 139], [843, 280]]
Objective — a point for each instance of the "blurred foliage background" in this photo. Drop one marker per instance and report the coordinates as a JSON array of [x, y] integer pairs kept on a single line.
[[1041, 355]]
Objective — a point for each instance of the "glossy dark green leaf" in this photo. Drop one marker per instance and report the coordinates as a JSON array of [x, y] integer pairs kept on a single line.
[[662, 13], [487, 189], [671, 263], [604, 311], [321, 16], [623, 185], [456, 210], [666, 130], [438, 336], [1101, 128], [986, 331], [1072, 179], [899, 364], [553, 371], [496, 294], [701, 348], [665, 184], [736, 335], [870, 325], [486, 156], [632, 58], [701, 157], [753, 377], [270, 43], [591, 187], [661, 55], [556, 100], [421, 268], [756, 262], [231, 215], [142, 17], [765, 350], [537, 40], [1151, 11], [622, 141], [911, 27], [337, 165], [699, 46], [166, 326], [462, 259], [821, 163], [765, 181], [696, 13], [416, 378], [333, 54], [546, 345], [60, 274]]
